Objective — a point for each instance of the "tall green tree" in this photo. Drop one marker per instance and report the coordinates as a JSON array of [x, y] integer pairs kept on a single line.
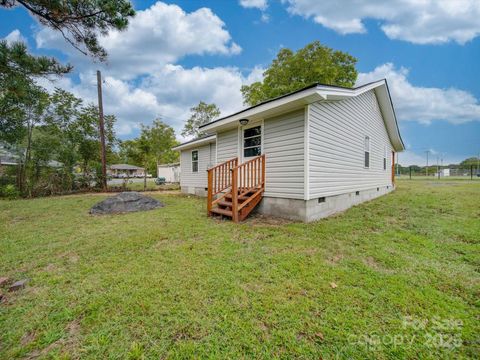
[[88, 141], [200, 115], [162, 138], [18, 74], [472, 161], [291, 71], [152, 147], [34, 112], [145, 152], [79, 22]]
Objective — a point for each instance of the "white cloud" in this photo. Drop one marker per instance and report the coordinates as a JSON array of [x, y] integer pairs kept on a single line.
[[409, 157], [168, 93], [156, 36], [259, 4], [424, 104], [142, 81], [15, 36], [416, 21]]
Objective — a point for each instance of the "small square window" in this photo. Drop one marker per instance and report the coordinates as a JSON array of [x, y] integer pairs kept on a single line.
[[321, 199], [357, 193]]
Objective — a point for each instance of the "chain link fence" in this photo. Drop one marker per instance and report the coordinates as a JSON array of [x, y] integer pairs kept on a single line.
[[470, 172]]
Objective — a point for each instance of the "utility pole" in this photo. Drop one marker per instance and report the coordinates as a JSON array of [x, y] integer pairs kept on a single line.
[[426, 168], [102, 131]]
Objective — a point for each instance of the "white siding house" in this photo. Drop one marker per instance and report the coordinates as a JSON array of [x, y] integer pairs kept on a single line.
[[326, 148], [195, 158], [336, 148], [283, 145]]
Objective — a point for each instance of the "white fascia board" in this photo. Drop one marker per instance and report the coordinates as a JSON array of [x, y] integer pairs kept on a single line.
[[311, 95], [341, 93], [195, 143], [271, 108]]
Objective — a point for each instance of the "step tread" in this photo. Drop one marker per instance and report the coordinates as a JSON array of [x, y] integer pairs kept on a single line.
[[240, 198], [222, 212], [225, 203]]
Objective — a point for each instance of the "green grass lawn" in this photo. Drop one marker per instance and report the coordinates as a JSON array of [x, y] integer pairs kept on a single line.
[[172, 283]]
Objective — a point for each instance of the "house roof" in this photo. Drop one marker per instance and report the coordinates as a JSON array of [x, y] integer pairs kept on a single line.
[[203, 140], [125, 167], [308, 95], [169, 165]]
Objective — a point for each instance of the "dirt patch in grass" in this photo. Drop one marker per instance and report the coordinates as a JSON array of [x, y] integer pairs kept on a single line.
[[66, 345]]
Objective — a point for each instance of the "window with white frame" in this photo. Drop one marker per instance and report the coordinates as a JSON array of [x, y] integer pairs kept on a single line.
[[384, 158], [195, 161], [252, 141], [367, 152]]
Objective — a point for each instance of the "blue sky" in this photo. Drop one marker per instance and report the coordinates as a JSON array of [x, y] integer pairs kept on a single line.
[[176, 53]]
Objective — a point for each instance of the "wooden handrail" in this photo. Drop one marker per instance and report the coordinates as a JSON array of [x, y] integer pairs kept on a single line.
[[248, 176], [251, 173], [219, 179], [239, 180]]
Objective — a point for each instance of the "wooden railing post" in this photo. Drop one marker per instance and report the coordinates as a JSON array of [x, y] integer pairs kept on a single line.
[[235, 194], [210, 191]]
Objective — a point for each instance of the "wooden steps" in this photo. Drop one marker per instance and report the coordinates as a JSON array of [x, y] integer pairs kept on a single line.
[[225, 206], [221, 211], [235, 190]]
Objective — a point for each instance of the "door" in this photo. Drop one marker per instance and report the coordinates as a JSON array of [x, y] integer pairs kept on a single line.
[[251, 147], [251, 141]]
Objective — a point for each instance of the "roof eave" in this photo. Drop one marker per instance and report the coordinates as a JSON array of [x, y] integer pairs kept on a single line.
[[195, 143], [268, 109], [312, 94]]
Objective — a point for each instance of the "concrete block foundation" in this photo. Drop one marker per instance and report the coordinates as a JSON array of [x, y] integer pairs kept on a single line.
[[318, 208], [199, 191]]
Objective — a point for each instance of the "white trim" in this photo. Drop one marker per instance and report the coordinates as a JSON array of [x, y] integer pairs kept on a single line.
[[306, 165], [197, 161], [296, 100], [239, 142], [313, 94], [193, 144], [216, 152]]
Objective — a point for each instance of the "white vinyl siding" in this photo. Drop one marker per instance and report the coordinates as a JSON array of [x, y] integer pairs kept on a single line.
[[227, 145], [283, 146], [336, 146], [206, 159]]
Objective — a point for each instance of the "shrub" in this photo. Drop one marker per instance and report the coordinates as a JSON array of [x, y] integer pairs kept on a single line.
[[9, 191]]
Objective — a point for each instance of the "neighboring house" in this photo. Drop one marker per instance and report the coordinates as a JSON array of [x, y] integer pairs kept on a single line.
[[303, 156], [125, 170], [442, 173], [9, 158], [171, 172]]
